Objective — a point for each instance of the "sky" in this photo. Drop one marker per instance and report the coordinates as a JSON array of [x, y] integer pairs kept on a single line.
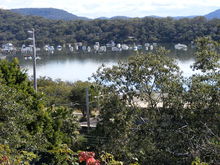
[[131, 8]]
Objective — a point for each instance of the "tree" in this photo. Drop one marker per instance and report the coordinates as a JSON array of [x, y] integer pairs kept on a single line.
[[56, 92], [152, 78], [207, 56], [203, 100], [9, 156], [179, 121], [78, 95], [13, 28], [15, 117], [27, 126], [19, 105]]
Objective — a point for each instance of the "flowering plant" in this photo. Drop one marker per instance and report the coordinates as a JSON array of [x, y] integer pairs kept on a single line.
[[88, 157]]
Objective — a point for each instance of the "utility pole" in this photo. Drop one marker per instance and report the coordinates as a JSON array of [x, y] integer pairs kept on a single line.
[[87, 109], [34, 58]]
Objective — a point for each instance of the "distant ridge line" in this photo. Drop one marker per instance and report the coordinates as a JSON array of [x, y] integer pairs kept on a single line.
[[59, 14]]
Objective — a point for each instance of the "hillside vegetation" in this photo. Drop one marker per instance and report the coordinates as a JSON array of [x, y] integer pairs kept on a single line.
[[14, 27], [48, 13]]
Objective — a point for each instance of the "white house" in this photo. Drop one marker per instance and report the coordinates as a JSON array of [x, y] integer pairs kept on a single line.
[[124, 47], [146, 44], [116, 49], [49, 48], [96, 47], [102, 49], [135, 48], [26, 49], [89, 49], [7, 48], [71, 48], [84, 48], [118, 45], [110, 44], [139, 47], [46, 47], [180, 47]]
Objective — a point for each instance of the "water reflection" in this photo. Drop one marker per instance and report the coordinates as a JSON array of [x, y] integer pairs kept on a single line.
[[73, 67]]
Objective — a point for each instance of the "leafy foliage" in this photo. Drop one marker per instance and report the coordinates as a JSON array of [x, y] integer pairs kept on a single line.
[[198, 162], [56, 92], [108, 159], [26, 125], [78, 95], [15, 118], [14, 28], [19, 105], [60, 155], [8, 156], [179, 119], [207, 57]]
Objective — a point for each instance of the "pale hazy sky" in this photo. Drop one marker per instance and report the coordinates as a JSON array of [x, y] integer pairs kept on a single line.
[[132, 8]]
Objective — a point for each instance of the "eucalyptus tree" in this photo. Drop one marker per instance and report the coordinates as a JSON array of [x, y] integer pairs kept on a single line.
[[179, 119], [202, 100], [134, 130]]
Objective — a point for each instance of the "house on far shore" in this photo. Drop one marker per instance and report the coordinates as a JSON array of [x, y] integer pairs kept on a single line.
[[180, 47], [8, 48]]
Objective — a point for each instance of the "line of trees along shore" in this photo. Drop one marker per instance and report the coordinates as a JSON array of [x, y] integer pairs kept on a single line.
[[14, 27], [184, 129]]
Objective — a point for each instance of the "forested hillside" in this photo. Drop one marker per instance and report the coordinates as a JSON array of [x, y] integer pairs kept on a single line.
[[48, 13], [214, 14], [13, 28]]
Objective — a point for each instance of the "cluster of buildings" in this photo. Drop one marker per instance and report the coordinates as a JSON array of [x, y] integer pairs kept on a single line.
[[98, 48], [79, 46]]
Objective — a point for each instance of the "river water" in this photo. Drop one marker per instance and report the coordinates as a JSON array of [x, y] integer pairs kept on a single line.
[[75, 66]]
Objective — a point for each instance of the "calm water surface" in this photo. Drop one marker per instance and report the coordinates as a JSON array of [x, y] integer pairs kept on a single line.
[[73, 67]]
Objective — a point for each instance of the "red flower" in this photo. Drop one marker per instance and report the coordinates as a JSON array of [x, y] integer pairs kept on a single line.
[[81, 159], [92, 161], [3, 159], [88, 157]]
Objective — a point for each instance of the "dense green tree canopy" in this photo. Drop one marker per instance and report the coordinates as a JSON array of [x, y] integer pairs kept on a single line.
[[78, 96], [14, 27], [56, 92], [180, 118], [27, 125]]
